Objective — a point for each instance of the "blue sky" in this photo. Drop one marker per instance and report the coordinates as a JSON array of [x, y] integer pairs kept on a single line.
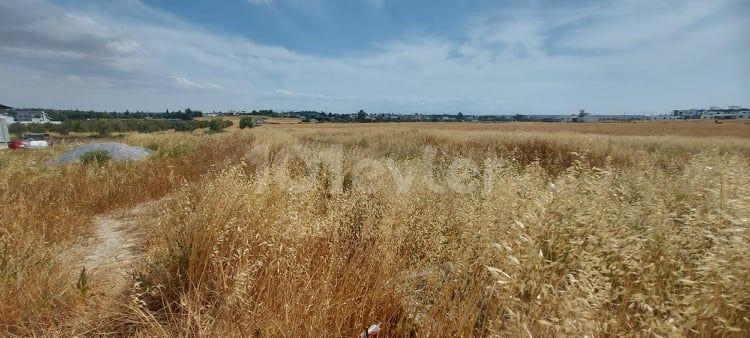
[[474, 56]]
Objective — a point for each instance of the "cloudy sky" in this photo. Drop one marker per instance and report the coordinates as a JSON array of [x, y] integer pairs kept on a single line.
[[474, 56]]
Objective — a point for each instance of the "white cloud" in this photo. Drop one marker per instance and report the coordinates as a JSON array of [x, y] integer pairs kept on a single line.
[[525, 61], [185, 83], [631, 24], [284, 94]]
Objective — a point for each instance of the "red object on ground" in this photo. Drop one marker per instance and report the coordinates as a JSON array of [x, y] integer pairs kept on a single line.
[[15, 144]]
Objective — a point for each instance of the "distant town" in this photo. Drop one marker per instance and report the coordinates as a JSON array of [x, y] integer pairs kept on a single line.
[[54, 116], [36, 123], [712, 113]]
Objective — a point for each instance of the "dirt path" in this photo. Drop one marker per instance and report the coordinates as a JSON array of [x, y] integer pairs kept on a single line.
[[109, 255], [114, 250]]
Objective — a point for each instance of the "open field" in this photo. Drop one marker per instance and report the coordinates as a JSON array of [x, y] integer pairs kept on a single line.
[[269, 120], [430, 229], [736, 128], [733, 128]]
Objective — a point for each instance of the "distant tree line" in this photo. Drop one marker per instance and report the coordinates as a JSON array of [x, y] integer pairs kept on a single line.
[[106, 126], [63, 115], [362, 117], [306, 115]]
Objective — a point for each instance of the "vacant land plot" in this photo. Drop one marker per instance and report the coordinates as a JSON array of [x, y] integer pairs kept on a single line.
[[469, 229], [269, 120], [736, 128]]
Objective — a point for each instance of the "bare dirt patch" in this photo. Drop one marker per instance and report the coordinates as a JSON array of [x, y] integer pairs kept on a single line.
[[109, 255]]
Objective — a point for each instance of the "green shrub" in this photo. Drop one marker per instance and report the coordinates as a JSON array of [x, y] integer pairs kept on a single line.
[[179, 150], [218, 125], [246, 122], [95, 157]]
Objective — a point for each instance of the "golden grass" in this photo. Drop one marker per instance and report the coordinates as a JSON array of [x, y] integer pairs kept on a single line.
[[571, 232], [45, 208], [729, 128]]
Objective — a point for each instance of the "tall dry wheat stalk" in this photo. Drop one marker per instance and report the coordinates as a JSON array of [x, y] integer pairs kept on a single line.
[[568, 234]]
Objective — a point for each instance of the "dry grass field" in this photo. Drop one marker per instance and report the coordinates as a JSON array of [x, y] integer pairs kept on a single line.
[[736, 128], [269, 120], [430, 230]]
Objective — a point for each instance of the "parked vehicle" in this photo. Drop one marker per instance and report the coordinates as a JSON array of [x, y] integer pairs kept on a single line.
[[15, 144], [36, 140], [31, 144]]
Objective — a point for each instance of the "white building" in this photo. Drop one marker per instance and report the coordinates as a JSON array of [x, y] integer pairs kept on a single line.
[[732, 113], [33, 116], [666, 117], [712, 113]]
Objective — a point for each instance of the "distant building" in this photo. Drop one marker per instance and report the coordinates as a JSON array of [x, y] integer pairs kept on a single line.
[[666, 117], [621, 118], [731, 113], [581, 117], [686, 114], [712, 113], [33, 116]]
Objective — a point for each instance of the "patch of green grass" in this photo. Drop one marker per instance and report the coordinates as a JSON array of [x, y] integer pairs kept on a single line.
[[99, 157], [179, 150]]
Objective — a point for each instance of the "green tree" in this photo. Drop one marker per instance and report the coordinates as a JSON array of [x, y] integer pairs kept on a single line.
[[361, 115], [64, 128], [218, 125], [246, 122], [17, 129], [38, 128]]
